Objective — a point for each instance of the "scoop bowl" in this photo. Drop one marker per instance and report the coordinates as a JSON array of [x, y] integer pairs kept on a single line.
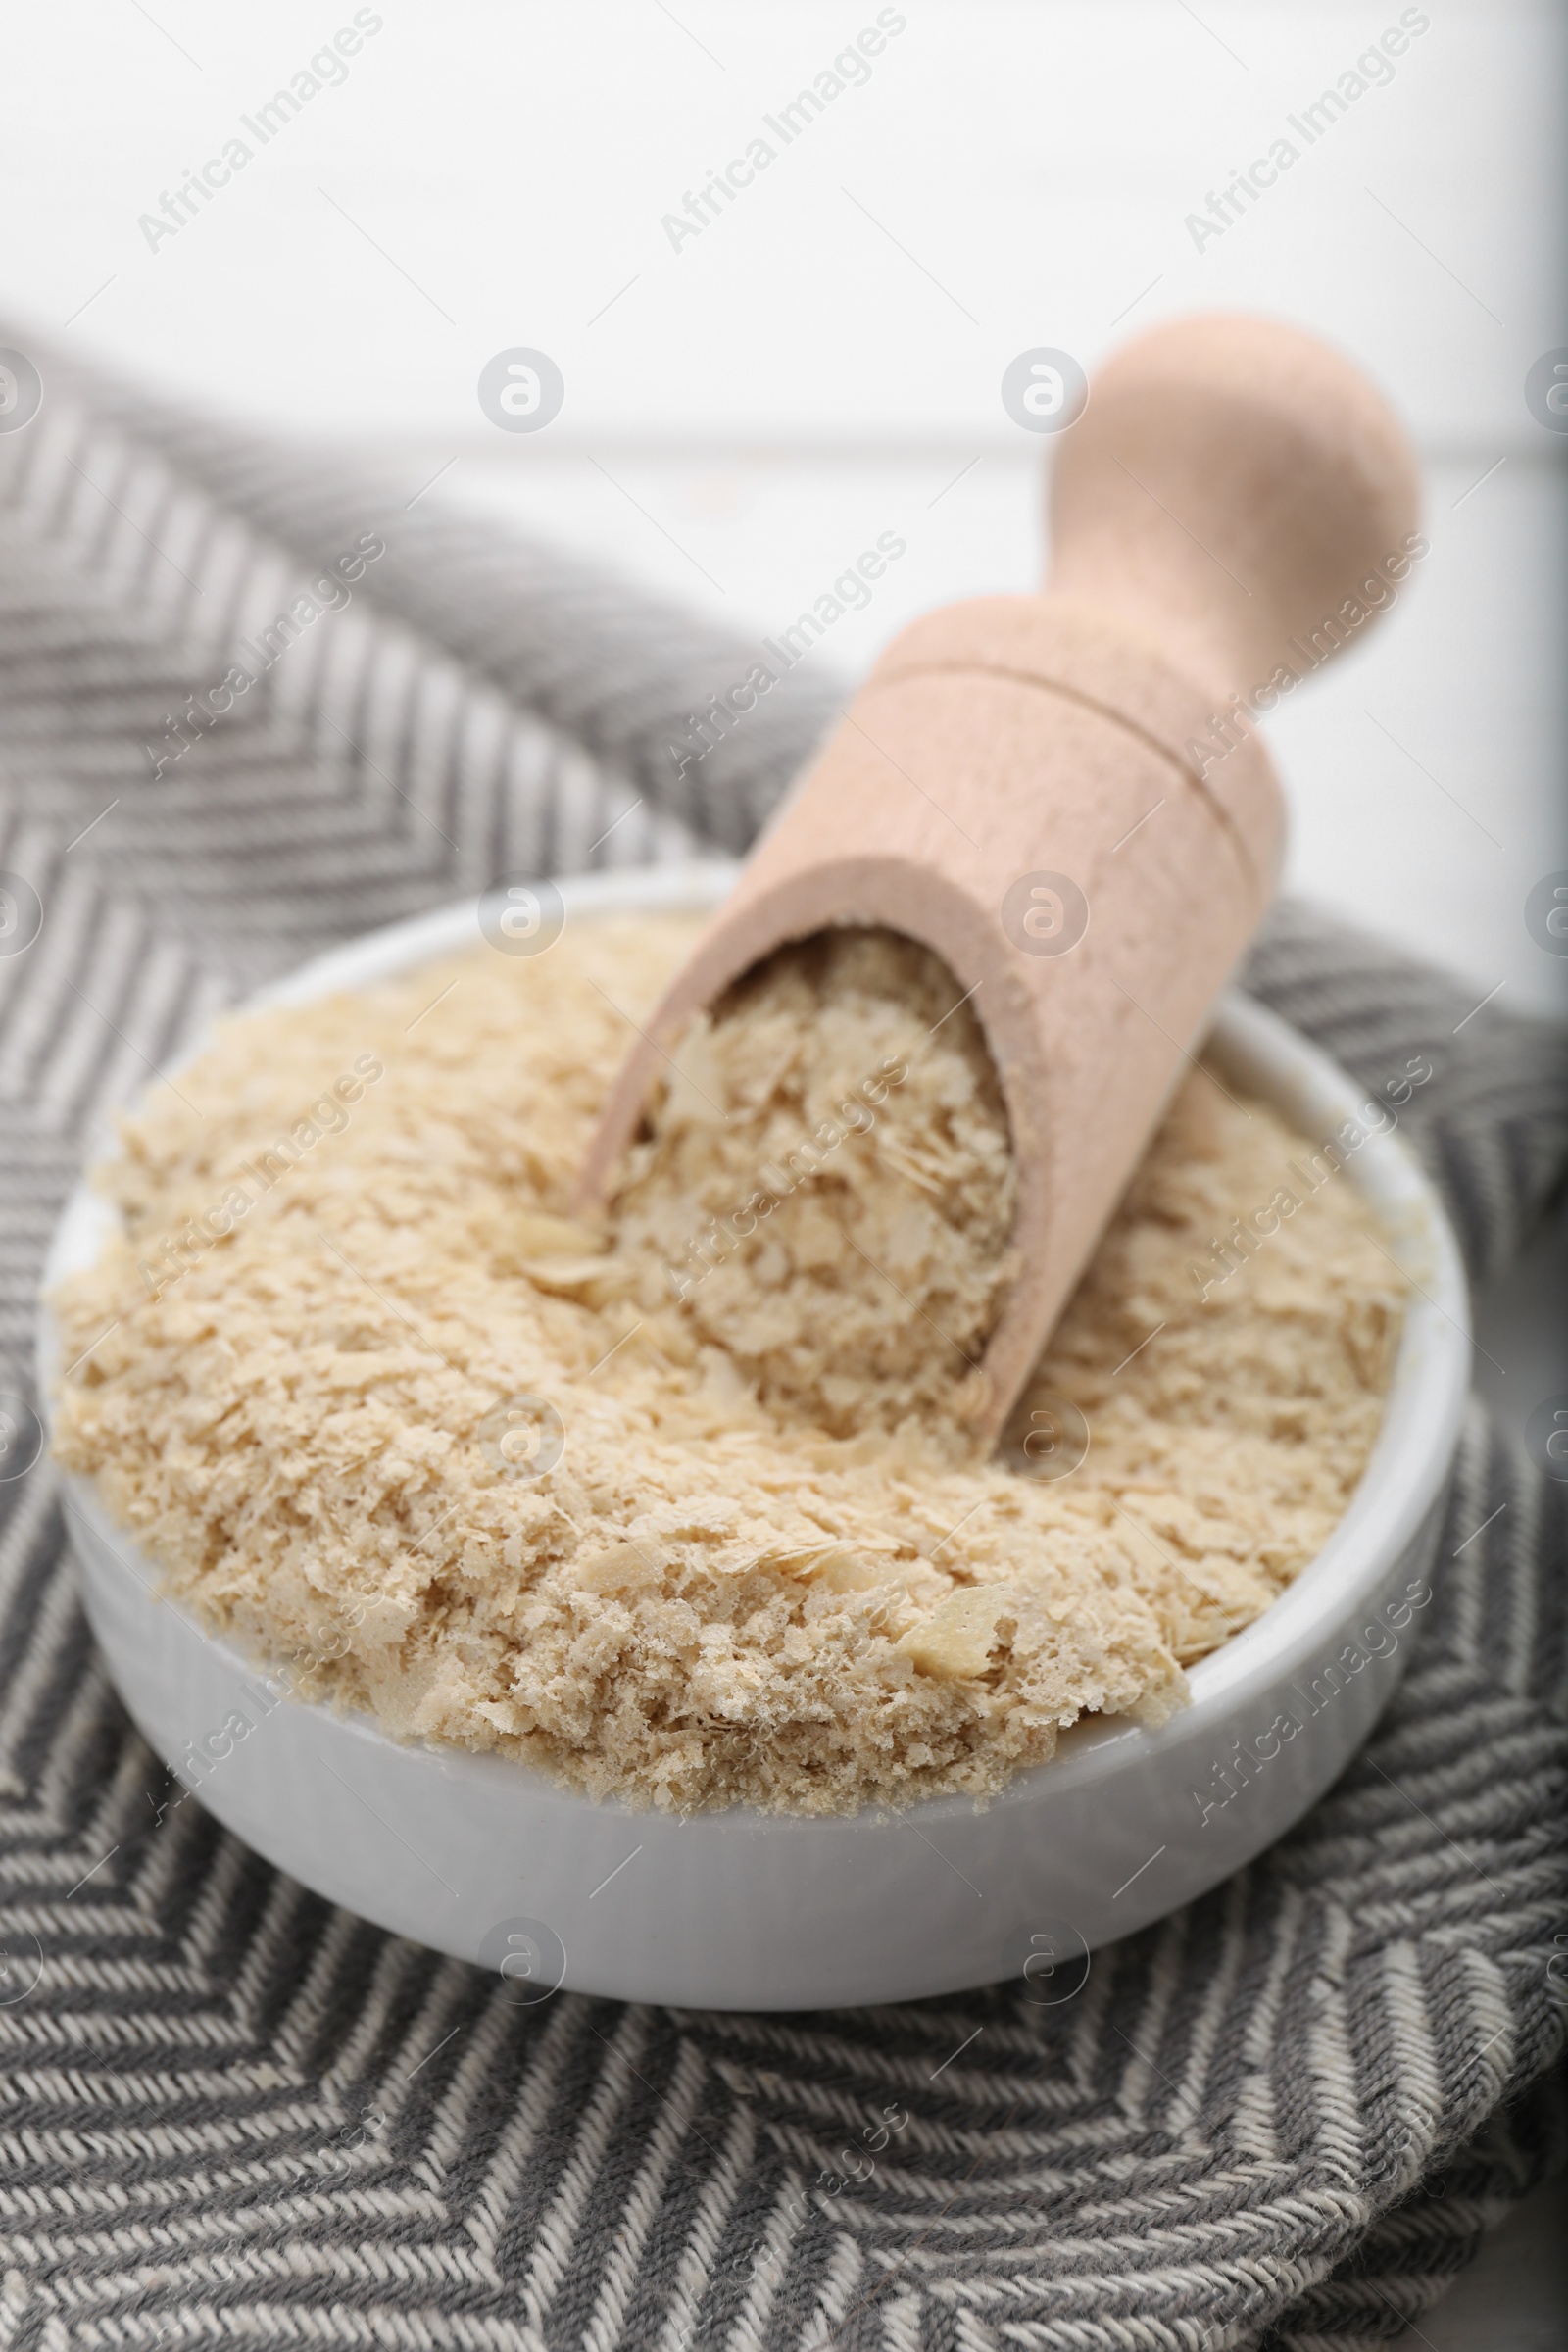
[[496, 1863]]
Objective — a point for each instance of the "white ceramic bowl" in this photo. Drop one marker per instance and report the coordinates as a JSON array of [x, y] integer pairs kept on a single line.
[[494, 1862]]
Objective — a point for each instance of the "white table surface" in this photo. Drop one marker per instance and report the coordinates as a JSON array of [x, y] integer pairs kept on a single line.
[[745, 413]]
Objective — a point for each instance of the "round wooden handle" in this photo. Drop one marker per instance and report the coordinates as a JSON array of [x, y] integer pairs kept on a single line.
[[1231, 485]]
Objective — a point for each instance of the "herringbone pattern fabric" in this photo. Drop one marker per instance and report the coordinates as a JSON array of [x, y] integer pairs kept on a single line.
[[233, 2114]]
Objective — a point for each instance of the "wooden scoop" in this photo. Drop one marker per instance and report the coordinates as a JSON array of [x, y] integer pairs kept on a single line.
[[1062, 795]]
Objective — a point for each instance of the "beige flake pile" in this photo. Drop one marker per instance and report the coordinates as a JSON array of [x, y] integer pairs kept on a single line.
[[830, 1184], [665, 1509]]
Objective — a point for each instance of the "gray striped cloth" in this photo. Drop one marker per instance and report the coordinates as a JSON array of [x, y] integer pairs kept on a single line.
[[235, 2115]]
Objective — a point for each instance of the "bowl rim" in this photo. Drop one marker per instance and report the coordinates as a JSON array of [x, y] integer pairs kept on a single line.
[[1401, 1481]]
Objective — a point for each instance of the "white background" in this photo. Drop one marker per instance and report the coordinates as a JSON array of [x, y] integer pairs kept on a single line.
[[822, 361], [821, 365]]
